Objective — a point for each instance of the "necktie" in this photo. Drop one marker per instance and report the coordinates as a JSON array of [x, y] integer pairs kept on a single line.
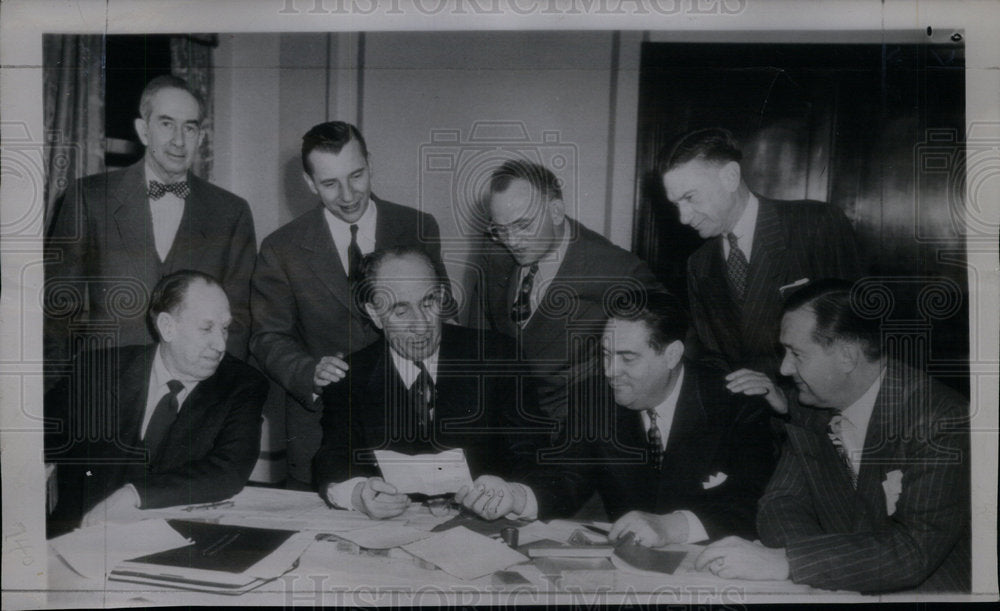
[[522, 306], [164, 415], [422, 392], [736, 266], [836, 431], [157, 189], [354, 256], [655, 441]]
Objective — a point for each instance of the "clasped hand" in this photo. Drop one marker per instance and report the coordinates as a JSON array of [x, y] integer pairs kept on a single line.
[[736, 558], [650, 529], [378, 499], [489, 497]]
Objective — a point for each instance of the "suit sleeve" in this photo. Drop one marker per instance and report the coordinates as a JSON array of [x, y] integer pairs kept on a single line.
[[274, 341], [341, 433], [224, 471], [239, 268], [431, 243], [731, 507], [931, 514], [65, 272]]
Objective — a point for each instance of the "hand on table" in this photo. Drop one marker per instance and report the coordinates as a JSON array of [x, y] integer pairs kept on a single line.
[[751, 382], [378, 499], [736, 558], [650, 529], [122, 505], [329, 369], [490, 497]]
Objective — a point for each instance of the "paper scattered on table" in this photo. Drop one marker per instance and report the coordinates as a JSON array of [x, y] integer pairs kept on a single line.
[[556, 530], [429, 474], [283, 559], [95, 550], [384, 536], [465, 554]]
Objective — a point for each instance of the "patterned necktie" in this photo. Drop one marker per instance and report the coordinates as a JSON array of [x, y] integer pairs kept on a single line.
[[354, 256], [836, 429], [655, 441], [163, 417], [157, 189], [736, 267], [422, 393], [522, 307]]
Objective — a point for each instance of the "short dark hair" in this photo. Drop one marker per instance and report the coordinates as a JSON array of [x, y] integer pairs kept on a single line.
[[713, 144], [167, 81], [330, 137], [169, 293], [538, 176], [834, 304], [364, 290], [661, 312]]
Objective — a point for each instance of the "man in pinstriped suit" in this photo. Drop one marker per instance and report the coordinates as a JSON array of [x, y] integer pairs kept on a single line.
[[872, 490]]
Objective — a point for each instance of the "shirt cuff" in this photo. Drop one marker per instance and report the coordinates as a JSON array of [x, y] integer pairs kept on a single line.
[[530, 511], [340, 494], [696, 531]]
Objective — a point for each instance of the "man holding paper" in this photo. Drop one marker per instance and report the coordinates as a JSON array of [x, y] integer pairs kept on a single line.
[[425, 388], [172, 423], [677, 458]]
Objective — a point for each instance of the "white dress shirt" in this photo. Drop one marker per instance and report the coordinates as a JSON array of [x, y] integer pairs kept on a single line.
[[341, 232], [854, 423], [744, 229], [167, 213], [548, 266], [340, 494]]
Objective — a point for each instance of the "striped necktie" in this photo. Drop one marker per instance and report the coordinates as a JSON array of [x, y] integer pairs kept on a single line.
[[836, 431]]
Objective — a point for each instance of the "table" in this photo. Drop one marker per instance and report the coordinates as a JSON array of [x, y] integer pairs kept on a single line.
[[331, 573]]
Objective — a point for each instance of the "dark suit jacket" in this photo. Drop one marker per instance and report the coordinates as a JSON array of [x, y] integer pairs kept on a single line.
[[713, 432], [303, 310], [93, 434], [477, 408], [104, 255], [840, 538], [562, 338], [792, 240]]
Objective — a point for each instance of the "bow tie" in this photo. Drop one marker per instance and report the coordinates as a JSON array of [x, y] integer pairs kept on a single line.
[[158, 189]]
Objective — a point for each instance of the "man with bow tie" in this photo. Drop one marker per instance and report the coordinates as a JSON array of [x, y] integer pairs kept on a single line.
[[872, 490], [674, 456], [171, 423], [116, 234], [424, 387]]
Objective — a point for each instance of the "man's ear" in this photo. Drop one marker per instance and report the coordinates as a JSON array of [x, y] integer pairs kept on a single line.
[[674, 352], [309, 182], [557, 210], [730, 175], [849, 355], [373, 314], [166, 326], [142, 130]]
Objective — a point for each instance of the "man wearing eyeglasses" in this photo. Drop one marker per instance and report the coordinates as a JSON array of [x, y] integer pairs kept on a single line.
[[116, 234], [546, 279]]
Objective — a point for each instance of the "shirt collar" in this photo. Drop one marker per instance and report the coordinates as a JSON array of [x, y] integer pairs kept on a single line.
[[665, 410], [407, 369], [366, 224], [160, 375], [150, 176], [859, 413], [745, 226]]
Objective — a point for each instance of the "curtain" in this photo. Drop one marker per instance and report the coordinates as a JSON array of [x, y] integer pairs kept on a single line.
[[73, 108], [191, 60]]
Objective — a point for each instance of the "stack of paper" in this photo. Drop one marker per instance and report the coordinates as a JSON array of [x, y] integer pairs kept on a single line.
[[95, 550], [465, 554]]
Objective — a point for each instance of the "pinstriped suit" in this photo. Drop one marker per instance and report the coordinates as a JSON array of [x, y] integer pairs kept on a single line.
[[792, 240], [840, 538]]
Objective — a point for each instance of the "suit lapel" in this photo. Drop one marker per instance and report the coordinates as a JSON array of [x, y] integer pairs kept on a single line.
[[130, 395], [323, 259], [881, 439], [716, 290], [825, 472], [135, 222], [766, 267], [191, 232]]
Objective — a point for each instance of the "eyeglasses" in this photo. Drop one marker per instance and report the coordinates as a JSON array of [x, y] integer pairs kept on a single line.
[[502, 233]]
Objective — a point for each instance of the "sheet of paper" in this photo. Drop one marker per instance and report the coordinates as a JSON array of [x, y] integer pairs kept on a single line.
[[556, 530], [429, 474], [94, 550], [465, 554], [385, 536]]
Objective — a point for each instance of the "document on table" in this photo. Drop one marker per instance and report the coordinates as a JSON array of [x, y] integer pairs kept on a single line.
[[465, 554], [94, 550], [430, 474], [384, 536]]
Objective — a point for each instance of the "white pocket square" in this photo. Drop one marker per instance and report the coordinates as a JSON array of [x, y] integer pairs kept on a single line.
[[798, 282], [893, 487], [714, 480]]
